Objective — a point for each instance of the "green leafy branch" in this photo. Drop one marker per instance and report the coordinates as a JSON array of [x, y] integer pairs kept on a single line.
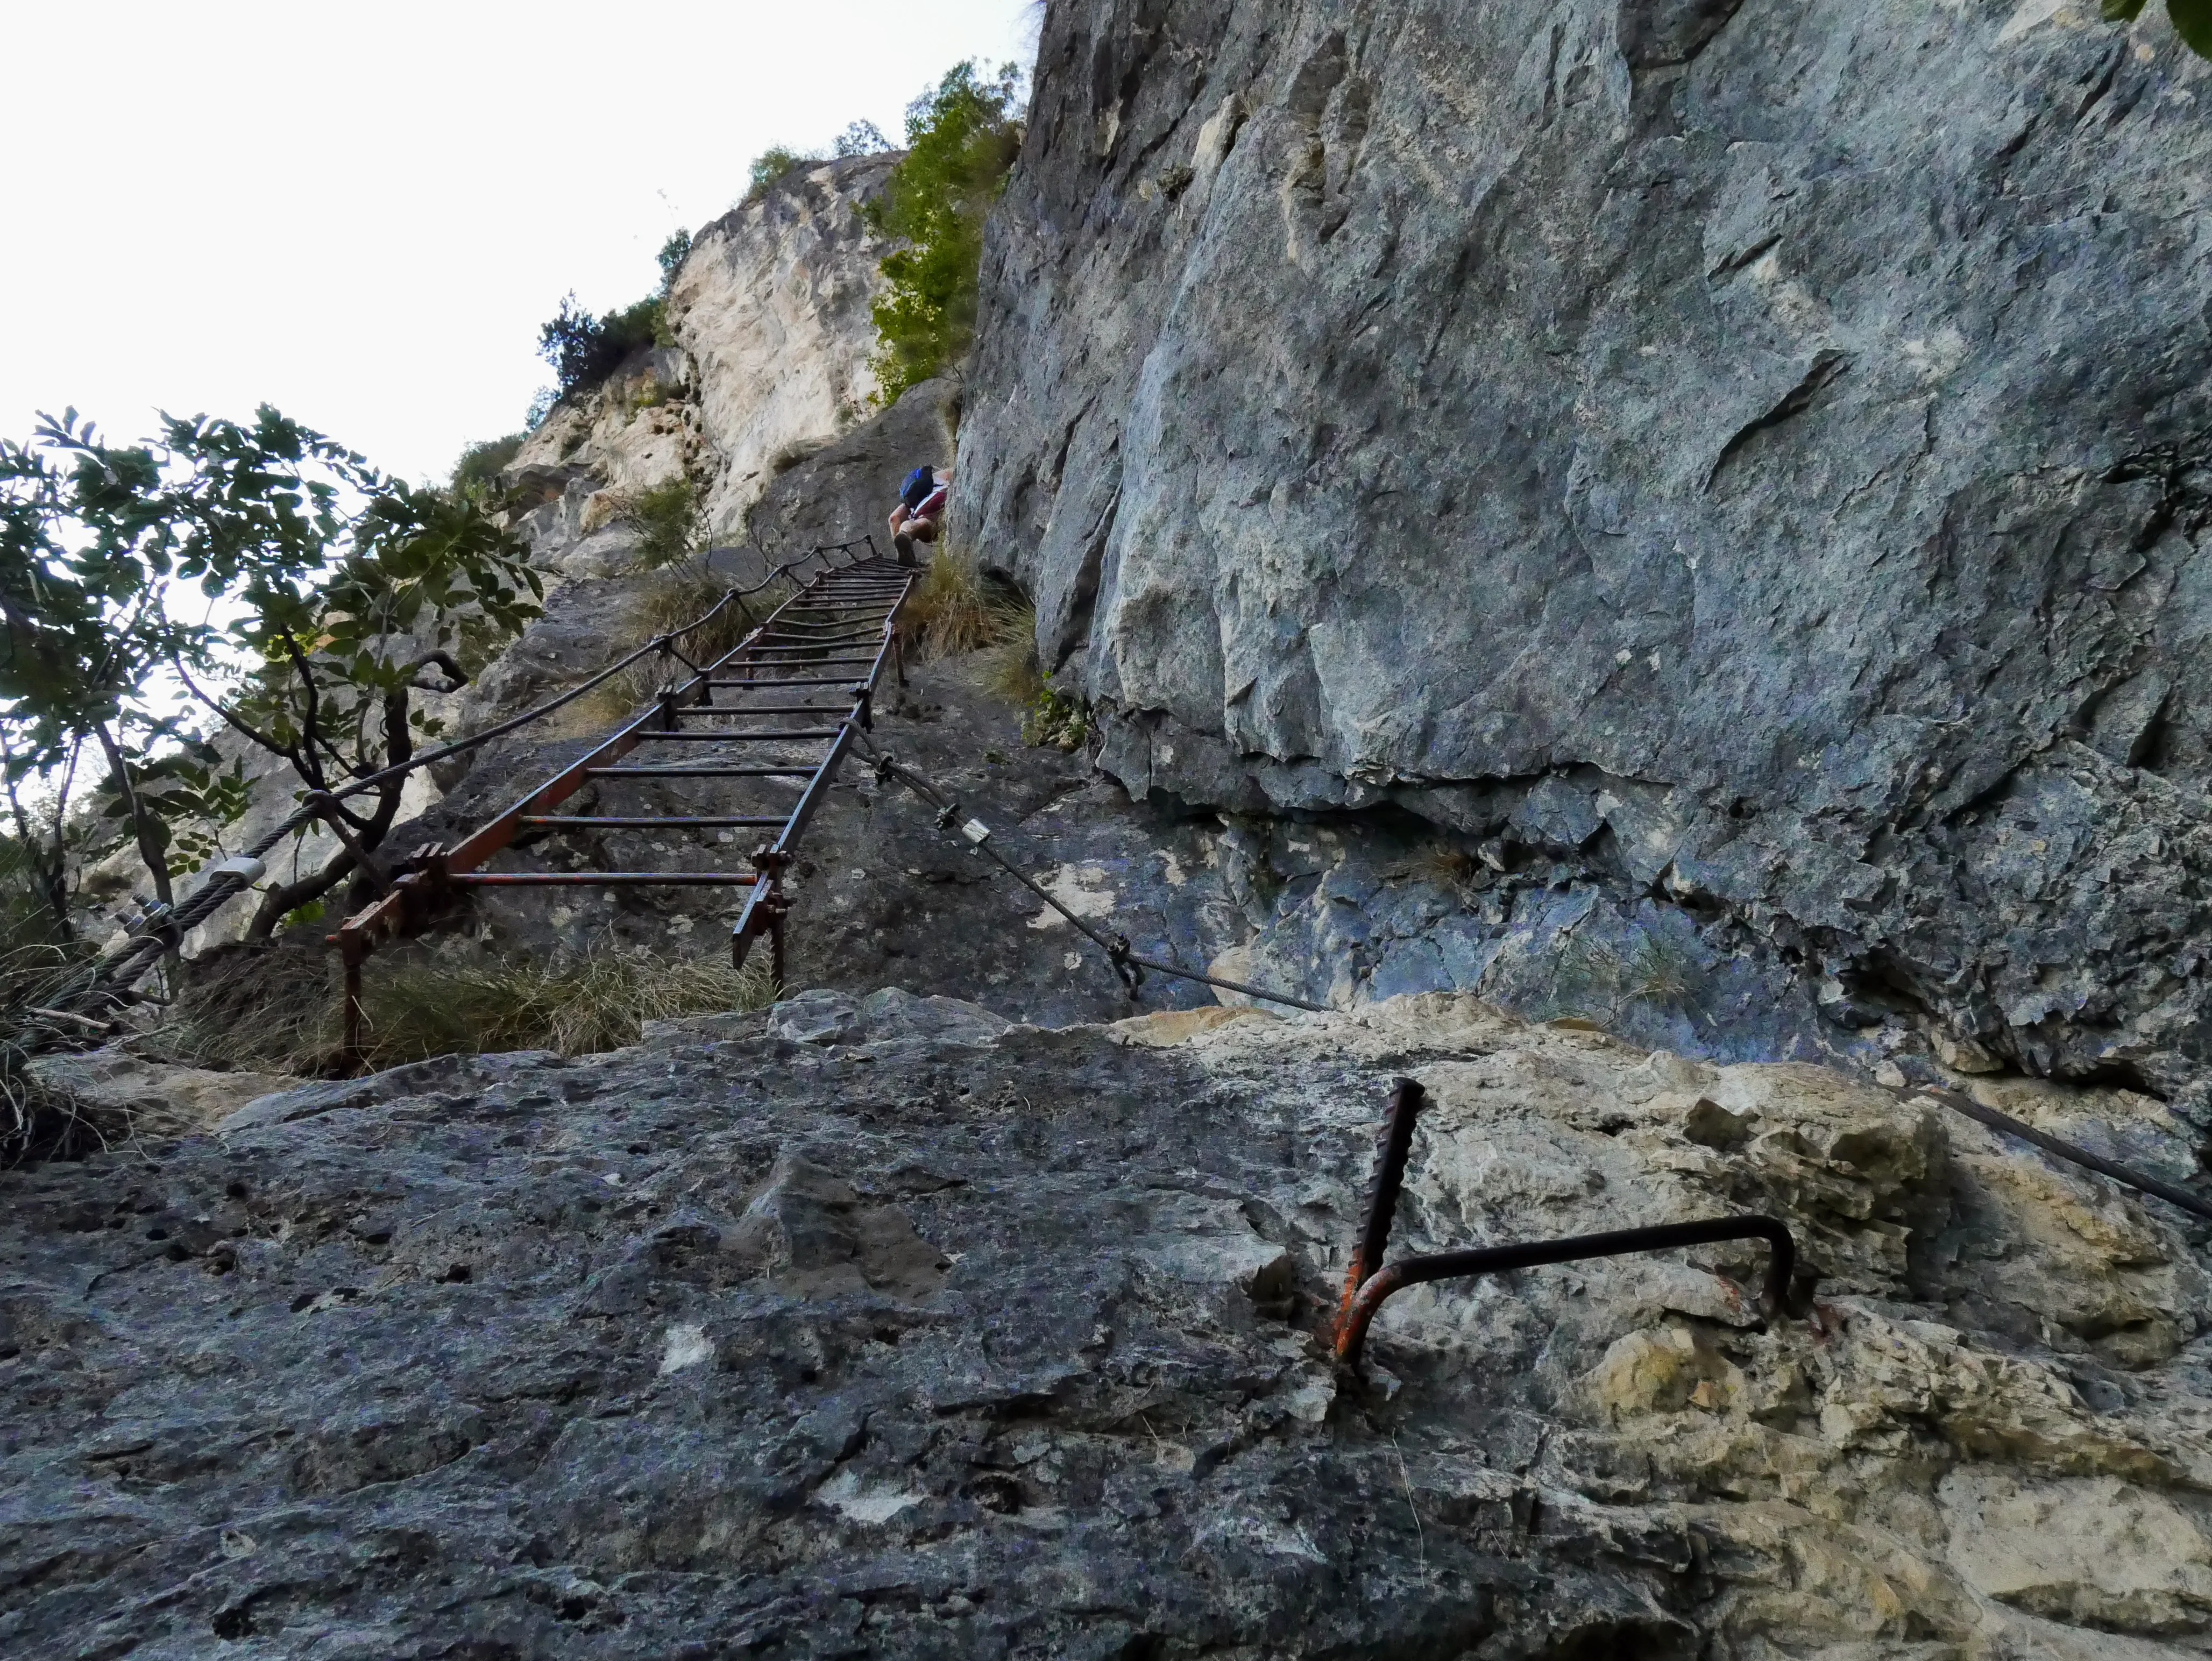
[[2192, 19], [283, 583], [962, 139]]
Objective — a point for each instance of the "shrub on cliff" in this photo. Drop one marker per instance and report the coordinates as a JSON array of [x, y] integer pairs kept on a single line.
[[481, 465], [584, 350], [962, 138], [771, 164], [673, 252], [668, 519]]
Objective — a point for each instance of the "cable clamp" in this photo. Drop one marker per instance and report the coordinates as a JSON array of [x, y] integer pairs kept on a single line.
[[976, 832], [1132, 976], [947, 814]]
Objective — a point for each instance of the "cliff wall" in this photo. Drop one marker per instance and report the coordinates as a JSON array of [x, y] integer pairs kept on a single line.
[[1754, 449]]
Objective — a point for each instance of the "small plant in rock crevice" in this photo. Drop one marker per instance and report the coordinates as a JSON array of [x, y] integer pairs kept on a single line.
[[1455, 868], [1056, 719], [1594, 977], [1662, 972]]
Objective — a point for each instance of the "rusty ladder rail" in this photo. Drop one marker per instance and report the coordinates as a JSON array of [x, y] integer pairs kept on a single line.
[[1367, 1282], [846, 614]]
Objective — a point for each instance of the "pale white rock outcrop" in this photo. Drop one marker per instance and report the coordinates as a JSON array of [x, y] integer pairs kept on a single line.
[[773, 306]]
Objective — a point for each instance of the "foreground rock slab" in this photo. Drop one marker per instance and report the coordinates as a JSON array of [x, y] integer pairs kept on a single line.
[[878, 1325]]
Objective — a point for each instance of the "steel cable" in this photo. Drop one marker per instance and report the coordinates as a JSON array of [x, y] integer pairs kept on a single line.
[[1127, 964]]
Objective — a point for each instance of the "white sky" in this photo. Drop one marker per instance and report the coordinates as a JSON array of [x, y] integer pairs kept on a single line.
[[361, 213]]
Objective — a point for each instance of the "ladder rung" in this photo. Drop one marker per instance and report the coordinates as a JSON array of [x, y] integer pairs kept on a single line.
[[765, 685], [674, 772], [839, 709], [618, 822], [777, 733], [604, 879]]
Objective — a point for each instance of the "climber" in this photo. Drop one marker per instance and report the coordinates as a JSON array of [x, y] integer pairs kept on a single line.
[[920, 510]]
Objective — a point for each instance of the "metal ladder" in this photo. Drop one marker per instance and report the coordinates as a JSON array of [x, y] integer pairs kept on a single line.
[[837, 633]]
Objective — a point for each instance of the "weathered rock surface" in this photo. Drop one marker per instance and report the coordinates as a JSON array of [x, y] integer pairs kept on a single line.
[[773, 308], [128, 1096], [1756, 448], [879, 1327], [770, 318], [846, 489]]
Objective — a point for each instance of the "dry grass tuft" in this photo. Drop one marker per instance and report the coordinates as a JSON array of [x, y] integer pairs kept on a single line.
[[954, 609], [261, 1006], [422, 1007], [1594, 976], [1011, 670], [1453, 868], [601, 1002], [39, 1120]]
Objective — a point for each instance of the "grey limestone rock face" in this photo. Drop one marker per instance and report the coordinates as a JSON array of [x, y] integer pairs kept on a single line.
[[877, 1326], [1761, 444], [845, 489]]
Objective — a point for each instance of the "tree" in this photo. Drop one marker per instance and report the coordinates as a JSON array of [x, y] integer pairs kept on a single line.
[[2192, 19], [962, 139], [769, 167], [584, 350], [264, 573], [861, 138]]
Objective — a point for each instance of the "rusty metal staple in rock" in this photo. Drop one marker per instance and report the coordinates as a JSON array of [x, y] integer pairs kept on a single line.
[[1127, 965], [1365, 1289]]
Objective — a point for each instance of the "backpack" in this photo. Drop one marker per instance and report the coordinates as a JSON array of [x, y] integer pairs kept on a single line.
[[918, 486]]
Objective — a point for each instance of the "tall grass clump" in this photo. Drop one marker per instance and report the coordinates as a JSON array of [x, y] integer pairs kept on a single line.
[[599, 1001], [40, 1119], [955, 610], [278, 1009]]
